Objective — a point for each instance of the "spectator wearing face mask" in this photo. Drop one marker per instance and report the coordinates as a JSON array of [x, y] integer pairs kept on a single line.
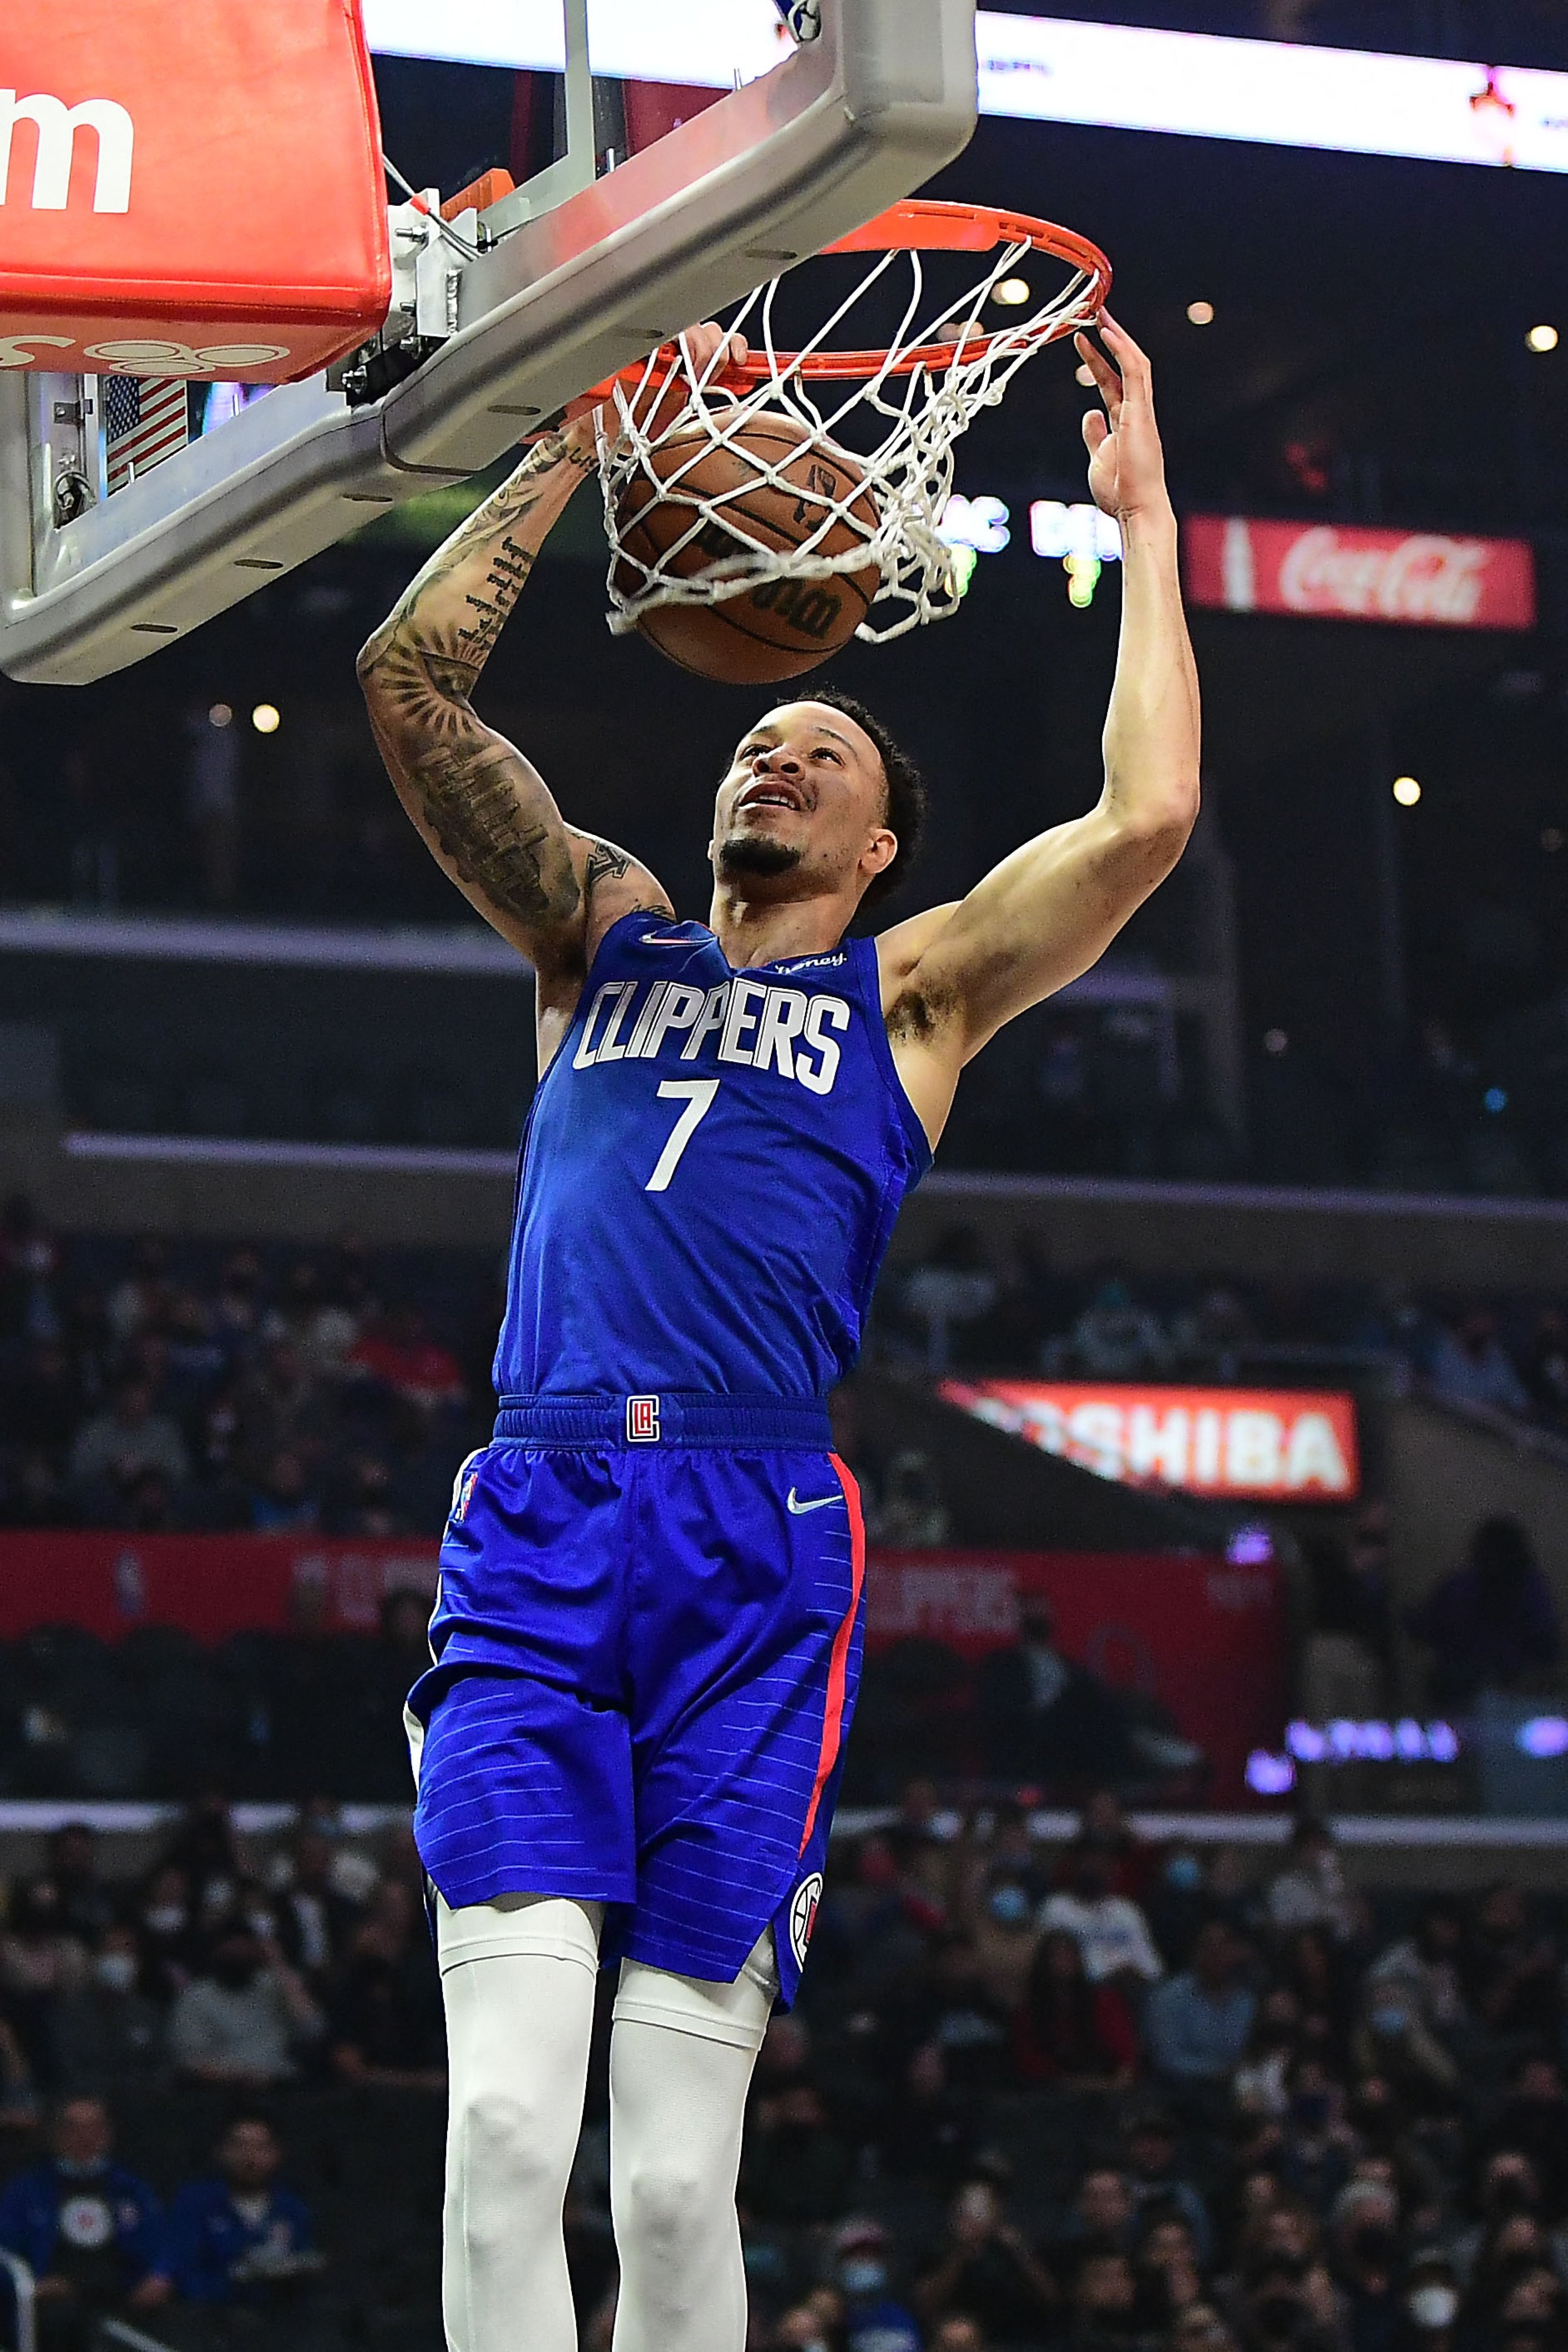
[[874, 2319], [1391, 2037], [109, 2035], [1002, 1924], [91, 2231], [243, 2018], [1431, 2305]]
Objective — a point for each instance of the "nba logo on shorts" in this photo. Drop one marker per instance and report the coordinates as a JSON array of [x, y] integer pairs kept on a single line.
[[803, 1914], [642, 1420], [463, 1485]]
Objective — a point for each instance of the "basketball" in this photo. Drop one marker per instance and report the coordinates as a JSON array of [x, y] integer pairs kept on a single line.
[[781, 627]]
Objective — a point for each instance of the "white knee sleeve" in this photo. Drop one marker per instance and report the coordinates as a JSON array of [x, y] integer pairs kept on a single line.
[[548, 1926], [680, 2064], [518, 1978], [737, 2013]]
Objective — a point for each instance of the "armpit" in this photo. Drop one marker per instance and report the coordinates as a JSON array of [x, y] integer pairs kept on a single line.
[[921, 1013]]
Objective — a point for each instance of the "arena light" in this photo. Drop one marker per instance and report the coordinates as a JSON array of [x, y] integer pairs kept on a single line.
[[1013, 293], [1045, 69], [1406, 791], [1201, 313], [1543, 338], [266, 718], [220, 715]]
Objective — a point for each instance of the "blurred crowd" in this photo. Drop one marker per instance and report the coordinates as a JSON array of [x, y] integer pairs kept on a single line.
[[221, 1391], [961, 1310], [201, 1993], [154, 1388], [1102, 2097], [1132, 2098]]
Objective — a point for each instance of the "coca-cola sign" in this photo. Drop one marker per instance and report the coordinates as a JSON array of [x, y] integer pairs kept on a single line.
[[1424, 578]]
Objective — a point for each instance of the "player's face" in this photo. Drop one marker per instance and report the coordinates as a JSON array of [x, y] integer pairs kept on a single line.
[[804, 802]]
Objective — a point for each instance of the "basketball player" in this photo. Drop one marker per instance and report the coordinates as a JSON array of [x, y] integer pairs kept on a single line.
[[648, 1639]]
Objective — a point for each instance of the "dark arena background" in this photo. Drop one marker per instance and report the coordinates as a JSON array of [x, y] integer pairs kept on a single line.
[[1190, 1971]]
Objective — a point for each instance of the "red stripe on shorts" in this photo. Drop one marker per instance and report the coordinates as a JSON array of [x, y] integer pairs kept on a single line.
[[838, 1663]]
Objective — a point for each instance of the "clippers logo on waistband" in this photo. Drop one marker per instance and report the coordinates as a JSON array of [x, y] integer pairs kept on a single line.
[[803, 1916], [642, 1420]]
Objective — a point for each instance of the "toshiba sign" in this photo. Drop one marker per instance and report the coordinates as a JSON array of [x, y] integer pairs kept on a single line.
[[1428, 578], [1259, 1444], [189, 192]]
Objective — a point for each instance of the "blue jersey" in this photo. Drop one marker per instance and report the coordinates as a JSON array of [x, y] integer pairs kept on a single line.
[[710, 1175]]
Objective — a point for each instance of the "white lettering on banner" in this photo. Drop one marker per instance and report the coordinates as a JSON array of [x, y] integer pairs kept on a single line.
[[1157, 1444], [1259, 1446], [57, 126], [1252, 1449], [1312, 1455], [954, 1603], [1426, 577]]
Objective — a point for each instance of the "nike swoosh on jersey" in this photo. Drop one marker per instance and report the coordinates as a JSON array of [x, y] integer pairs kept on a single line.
[[652, 939], [797, 1509]]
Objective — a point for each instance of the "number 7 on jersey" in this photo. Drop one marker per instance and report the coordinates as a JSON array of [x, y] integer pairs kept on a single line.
[[699, 1095]]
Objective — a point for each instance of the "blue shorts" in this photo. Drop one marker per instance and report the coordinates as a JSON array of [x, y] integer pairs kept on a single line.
[[647, 1651]]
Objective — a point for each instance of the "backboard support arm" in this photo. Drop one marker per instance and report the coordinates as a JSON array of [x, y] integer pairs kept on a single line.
[[841, 129]]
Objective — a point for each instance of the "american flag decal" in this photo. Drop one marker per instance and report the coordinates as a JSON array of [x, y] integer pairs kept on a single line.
[[145, 420], [804, 18]]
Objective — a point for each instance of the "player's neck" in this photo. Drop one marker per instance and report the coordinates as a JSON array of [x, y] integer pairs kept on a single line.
[[752, 932]]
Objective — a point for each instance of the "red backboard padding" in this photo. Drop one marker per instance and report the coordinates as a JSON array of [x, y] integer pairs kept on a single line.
[[206, 179]]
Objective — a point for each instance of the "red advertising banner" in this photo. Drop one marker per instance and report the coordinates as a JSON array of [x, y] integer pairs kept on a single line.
[[212, 1585], [1278, 1445], [1428, 579], [132, 241], [1205, 1638]]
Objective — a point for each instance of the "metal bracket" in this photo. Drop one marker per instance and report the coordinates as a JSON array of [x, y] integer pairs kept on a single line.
[[841, 129]]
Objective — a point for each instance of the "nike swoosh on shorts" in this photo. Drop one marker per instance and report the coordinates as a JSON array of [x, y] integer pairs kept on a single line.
[[797, 1509]]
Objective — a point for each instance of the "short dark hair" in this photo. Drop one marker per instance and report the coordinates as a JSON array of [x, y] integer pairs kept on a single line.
[[906, 797]]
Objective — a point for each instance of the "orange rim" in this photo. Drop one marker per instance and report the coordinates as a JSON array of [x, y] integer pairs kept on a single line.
[[915, 226]]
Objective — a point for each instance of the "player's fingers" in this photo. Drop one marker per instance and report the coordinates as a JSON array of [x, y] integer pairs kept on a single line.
[[1100, 367], [1131, 357], [1096, 431], [739, 351]]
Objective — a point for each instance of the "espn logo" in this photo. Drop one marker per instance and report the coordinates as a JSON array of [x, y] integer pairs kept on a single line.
[[57, 125], [642, 1420]]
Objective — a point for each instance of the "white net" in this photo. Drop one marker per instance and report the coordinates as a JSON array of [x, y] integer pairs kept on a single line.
[[878, 506]]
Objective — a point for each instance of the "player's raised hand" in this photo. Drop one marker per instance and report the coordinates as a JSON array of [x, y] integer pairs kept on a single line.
[[708, 350], [1126, 462]]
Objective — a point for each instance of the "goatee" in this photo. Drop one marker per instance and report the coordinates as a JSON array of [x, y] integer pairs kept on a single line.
[[748, 853]]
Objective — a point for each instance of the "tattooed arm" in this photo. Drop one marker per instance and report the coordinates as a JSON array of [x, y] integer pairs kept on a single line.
[[484, 811]]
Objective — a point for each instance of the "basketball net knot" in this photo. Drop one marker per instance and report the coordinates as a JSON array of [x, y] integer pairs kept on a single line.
[[895, 416]]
